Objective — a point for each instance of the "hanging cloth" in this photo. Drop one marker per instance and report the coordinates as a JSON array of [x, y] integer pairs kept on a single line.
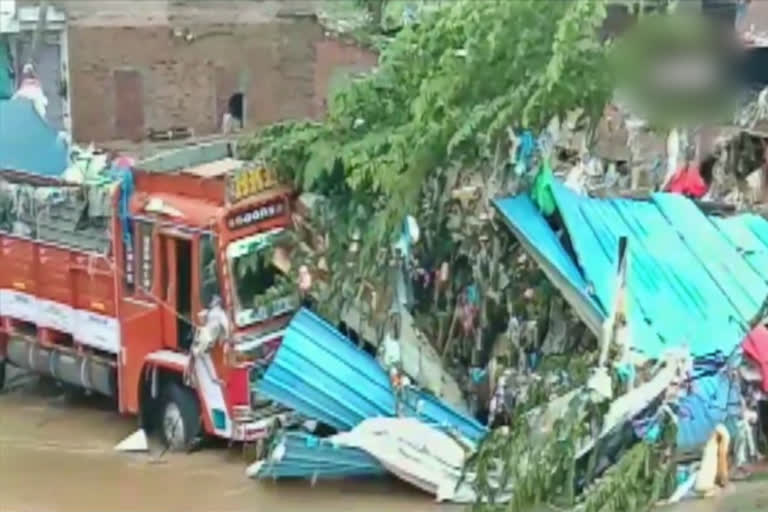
[[123, 174], [541, 192], [525, 149], [755, 346], [688, 182]]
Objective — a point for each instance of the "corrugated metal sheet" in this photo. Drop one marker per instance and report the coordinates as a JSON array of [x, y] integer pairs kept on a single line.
[[545, 248], [27, 143], [322, 375], [690, 280], [432, 411], [301, 455]]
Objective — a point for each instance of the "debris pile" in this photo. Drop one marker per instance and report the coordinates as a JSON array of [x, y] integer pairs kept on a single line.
[[688, 284], [675, 298], [380, 424]]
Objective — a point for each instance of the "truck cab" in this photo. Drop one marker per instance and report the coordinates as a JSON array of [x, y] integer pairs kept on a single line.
[[211, 236]]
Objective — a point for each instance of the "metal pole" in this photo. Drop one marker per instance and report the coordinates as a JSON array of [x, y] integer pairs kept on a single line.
[[42, 20]]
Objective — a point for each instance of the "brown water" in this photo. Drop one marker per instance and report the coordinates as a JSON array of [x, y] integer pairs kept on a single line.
[[56, 455]]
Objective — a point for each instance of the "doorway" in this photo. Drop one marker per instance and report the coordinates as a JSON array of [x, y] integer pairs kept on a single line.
[[184, 293], [129, 104], [236, 109], [176, 287]]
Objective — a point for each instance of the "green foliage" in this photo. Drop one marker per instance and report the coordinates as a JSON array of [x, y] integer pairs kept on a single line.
[[444, 94], [532, 467], [447, 90], [426, 134], [643, 476], [541, 467]]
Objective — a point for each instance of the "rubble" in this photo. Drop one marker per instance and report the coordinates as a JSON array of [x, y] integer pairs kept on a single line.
[[677, 263], [323, 376]]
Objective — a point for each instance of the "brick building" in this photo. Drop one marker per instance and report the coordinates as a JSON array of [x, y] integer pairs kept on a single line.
[[158, 64]]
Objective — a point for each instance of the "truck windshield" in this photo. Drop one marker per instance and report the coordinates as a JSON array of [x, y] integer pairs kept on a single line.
[[261, 288]]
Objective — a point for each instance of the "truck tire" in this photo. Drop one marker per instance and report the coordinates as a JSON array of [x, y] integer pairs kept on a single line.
[[180, 424]]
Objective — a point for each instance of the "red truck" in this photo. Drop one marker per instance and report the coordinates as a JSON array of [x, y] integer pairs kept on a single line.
[[114, 307]]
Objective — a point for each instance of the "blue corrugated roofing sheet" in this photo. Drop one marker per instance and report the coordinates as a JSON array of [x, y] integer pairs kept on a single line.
[[692, 279], [533, 231], [28, 143], [322, 375], [302, 455], [432, 411]]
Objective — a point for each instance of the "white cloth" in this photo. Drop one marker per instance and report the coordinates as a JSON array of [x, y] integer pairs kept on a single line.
[[390, 355], [31, 89], [216, 327]]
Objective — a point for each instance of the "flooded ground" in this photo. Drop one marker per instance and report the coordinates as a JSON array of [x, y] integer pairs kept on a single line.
[[56, 455]]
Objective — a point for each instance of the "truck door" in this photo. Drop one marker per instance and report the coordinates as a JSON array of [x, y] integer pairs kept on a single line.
[[176, 290]]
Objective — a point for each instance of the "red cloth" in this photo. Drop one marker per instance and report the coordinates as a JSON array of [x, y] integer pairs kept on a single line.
[[688, 182], [238, 390], [755, 346]]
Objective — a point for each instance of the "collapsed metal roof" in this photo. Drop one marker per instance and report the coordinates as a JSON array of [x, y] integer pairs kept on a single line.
[[323, 375], [693, 279]]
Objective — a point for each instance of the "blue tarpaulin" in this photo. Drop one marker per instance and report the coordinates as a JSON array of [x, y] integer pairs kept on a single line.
[[693, 280], [711, 401], [28, 144]]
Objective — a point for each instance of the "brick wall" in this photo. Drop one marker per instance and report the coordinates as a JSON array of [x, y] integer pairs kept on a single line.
[[284, 66]]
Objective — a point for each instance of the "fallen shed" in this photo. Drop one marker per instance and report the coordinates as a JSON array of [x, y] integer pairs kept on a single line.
[[693, 280]]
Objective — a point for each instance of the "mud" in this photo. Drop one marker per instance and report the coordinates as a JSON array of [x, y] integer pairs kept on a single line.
[[56, 455]]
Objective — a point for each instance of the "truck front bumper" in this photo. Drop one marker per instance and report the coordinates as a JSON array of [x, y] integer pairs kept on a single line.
[[256, 430]]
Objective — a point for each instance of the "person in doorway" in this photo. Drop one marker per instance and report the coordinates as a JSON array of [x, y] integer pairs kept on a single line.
[[232, 120]]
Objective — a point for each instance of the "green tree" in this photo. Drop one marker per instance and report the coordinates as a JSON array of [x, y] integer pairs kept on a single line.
[[444, 94], [433, 118], [429, 134]]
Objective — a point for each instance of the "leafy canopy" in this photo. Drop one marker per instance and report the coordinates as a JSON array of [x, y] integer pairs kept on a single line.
[[446, 90]]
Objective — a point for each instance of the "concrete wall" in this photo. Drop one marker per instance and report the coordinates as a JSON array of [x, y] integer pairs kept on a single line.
[[133, 75]]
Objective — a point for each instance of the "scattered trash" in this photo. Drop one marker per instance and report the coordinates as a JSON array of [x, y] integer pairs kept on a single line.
[[136, 442]]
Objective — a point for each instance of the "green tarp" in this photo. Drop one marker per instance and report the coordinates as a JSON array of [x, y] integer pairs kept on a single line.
[[541, 191], [6, 77]]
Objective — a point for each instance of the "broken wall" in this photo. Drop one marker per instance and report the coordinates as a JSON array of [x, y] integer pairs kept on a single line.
[[128, 79]]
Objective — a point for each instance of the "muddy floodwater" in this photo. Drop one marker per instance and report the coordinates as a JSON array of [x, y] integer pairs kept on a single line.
[[56, 455]]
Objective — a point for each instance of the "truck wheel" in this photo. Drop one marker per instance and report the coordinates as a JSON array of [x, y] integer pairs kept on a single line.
[[180, 417]]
